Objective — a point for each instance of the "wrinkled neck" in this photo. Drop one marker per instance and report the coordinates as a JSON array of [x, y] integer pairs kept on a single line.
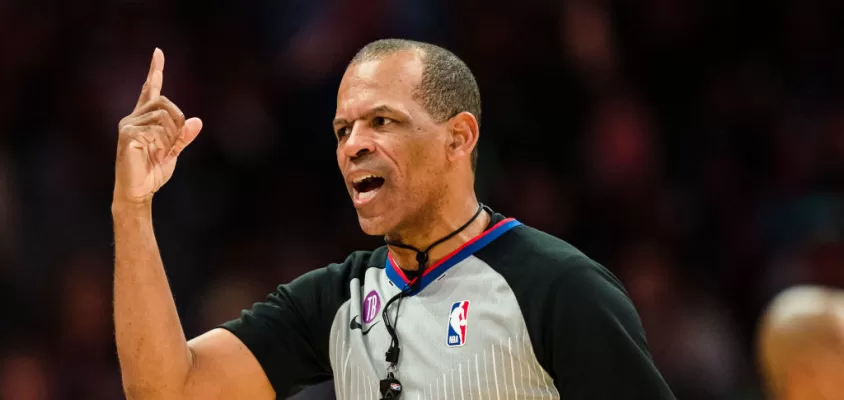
[[433, 230]]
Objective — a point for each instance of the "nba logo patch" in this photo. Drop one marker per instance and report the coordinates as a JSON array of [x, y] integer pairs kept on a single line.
[[457, 324]]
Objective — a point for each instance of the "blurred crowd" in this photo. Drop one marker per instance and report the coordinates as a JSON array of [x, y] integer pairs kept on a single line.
[[694, 147]]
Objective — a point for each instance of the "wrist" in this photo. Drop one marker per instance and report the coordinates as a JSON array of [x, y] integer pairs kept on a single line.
[[129, 208]]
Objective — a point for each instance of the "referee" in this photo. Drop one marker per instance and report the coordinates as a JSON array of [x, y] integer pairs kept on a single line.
[[460, 303]]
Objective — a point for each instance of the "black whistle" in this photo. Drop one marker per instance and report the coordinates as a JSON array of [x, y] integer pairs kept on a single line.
[[390, 387]]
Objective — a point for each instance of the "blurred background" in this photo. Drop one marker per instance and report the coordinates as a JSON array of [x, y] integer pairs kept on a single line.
[[694, 147]]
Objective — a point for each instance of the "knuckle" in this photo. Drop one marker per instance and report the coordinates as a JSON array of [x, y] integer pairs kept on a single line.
[[125, 124], [174, 110], [156, 102], [166, 103]]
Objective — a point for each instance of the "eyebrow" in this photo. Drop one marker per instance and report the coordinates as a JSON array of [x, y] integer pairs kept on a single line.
[[375, 110]]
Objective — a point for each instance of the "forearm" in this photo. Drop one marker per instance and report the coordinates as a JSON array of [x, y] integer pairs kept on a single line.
[[154, 357]]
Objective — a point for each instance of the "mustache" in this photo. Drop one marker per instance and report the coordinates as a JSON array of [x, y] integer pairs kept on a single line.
[[378, 167]]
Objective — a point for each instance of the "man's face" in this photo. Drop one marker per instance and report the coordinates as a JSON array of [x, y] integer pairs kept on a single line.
[[391, 152]]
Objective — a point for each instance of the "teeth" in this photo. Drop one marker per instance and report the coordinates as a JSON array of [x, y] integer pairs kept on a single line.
[[363, 178]]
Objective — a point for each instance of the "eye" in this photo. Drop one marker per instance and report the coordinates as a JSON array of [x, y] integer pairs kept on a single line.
[[381, 121], [342, 132]]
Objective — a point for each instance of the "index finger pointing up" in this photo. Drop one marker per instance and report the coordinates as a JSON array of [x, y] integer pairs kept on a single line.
[[155, 78]]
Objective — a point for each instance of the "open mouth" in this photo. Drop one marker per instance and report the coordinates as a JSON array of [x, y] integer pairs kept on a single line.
[[368, 183], [365, 189]]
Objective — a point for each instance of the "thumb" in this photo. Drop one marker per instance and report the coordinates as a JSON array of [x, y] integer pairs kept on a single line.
[[191, 130], [189, 133]]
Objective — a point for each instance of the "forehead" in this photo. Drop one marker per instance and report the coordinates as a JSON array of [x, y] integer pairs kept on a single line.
[[388, 80]]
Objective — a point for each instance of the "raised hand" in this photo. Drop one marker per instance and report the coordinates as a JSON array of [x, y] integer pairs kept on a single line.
[[150, 140]]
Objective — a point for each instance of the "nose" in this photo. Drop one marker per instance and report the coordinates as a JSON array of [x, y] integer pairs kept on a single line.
[[359, 142]]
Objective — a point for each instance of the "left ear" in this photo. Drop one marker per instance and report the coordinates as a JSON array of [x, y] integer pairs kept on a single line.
[[464, 133]]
